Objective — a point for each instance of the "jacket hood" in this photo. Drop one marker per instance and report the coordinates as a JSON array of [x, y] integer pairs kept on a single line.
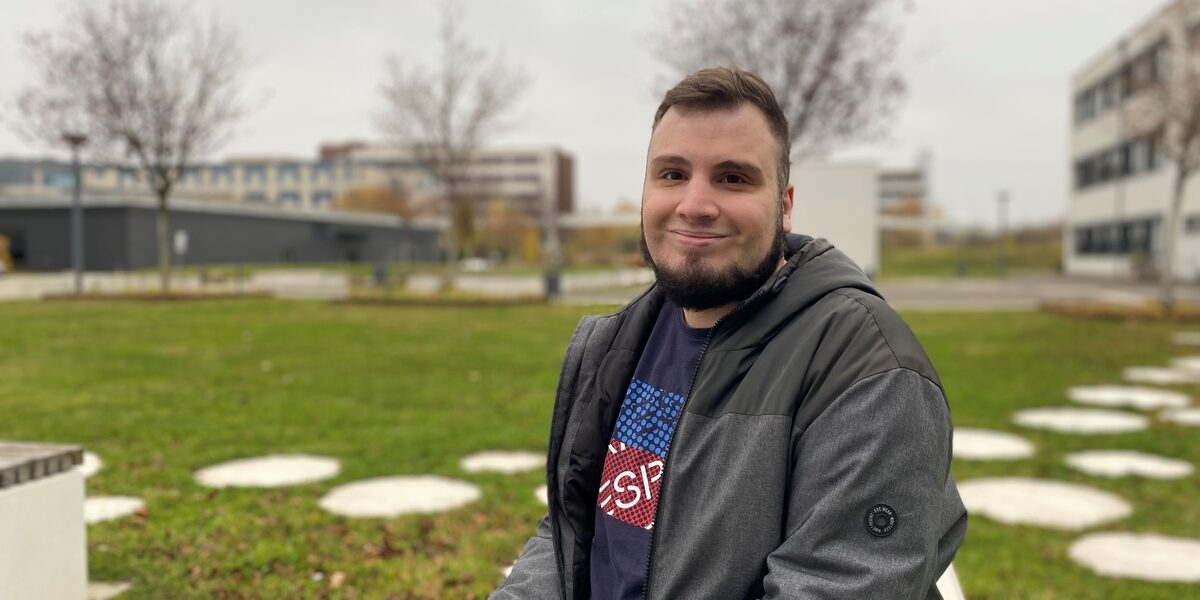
[[814, 268]]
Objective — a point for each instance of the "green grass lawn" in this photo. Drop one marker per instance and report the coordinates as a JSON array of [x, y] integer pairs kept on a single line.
[[162, 389], [974, 260]]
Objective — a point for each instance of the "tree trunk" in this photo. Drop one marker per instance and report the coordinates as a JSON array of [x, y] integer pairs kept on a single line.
[[164, 245], [1167, 277]]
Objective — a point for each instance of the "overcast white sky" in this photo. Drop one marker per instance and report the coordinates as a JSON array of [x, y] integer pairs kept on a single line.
[[989, 83]]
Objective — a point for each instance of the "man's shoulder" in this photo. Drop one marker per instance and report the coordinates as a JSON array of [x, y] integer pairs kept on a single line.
[[859, 324]]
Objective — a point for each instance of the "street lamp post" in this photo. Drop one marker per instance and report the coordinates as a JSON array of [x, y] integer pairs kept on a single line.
[[1001, 231], [76, 140]]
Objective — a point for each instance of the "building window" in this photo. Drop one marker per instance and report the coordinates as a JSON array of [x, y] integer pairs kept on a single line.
[[1124, 238], [255, 197], [255, 173], [128, 175], [289, 172], [322, 199], [1140, 155], [322, 171], [289, 198], [221, 174]]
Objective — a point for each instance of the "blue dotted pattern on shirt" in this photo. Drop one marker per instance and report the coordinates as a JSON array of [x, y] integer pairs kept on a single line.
[[648, 418]]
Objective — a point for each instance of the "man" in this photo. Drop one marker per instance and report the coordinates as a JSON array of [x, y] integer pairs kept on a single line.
[[759, 423]]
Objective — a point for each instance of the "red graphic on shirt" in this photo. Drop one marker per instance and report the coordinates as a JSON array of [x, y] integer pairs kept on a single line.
[[629, 484]]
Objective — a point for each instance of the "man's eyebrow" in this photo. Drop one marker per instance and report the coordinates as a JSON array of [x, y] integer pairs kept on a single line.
[[670, 160], [733, 165]]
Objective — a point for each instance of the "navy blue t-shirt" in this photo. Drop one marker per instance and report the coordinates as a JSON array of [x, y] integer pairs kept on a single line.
[[636, 457]]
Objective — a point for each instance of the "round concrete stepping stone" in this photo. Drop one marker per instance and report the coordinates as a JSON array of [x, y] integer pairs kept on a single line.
[[1149, 556], [1041, 502], [1160, 376], [269, 471], [983, 444], [1186, 338], [108, 508], [1131, 396], [1080, 420], [1182, 416], [1122, 463], [106, 590], [392, 496], [1187, 364], [91, 464], [542, 494], [499, 461]]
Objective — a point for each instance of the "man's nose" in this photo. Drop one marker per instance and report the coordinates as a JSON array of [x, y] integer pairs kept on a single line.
[[699, 202]]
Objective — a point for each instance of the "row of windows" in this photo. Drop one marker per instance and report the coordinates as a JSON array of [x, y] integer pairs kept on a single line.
[[287, 172], [1136, 74], [1139, 155], [319, 199], [224, 174], [1127, 237]]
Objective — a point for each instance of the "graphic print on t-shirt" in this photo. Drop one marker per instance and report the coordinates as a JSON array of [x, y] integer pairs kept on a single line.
[[636, 456], [634, 465]]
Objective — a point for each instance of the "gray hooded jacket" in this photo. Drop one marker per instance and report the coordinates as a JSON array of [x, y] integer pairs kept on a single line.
[[812, 406]]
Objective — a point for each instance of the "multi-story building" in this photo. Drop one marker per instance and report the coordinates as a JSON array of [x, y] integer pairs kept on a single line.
[[906, 215], [1120, 179], [530, 180]]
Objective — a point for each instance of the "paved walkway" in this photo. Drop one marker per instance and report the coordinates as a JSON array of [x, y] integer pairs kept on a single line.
[[618, 287]]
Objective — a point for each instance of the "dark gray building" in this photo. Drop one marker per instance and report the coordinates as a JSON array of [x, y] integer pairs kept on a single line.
[[120, 234]]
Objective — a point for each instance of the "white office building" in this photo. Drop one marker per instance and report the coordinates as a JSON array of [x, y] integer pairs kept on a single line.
[[1120, 181]]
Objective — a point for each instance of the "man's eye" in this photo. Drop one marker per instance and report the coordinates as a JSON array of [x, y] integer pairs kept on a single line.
[[672, 175], [734, 178]]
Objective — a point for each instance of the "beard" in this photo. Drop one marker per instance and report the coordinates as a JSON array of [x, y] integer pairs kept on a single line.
[[696, 286]]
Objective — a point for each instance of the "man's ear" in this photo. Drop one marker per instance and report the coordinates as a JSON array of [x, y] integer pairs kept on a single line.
[[787, 200]]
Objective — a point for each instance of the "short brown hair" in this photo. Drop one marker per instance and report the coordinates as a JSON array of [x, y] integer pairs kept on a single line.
[[725, 88]]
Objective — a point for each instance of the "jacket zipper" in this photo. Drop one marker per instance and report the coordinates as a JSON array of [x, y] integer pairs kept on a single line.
[[662, 487]]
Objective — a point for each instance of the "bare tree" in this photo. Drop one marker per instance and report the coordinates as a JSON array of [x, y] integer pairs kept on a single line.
[[831, 62], [446, 113], [1162, 84], [140, 78]]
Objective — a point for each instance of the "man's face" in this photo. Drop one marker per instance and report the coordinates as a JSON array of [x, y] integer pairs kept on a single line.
[[712, 214]]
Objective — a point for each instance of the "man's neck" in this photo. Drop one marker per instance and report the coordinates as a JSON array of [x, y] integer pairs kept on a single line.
[[704, 319]]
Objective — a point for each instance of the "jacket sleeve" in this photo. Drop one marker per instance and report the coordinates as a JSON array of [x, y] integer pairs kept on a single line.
[[885, 441], [535, 575]]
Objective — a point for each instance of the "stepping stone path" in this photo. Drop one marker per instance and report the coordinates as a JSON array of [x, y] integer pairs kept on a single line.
[[1186, 364], [1182, 416], [497, 461], [1121, 463], [1186, 338], [1041, 502], [983, 444], [393, 496], [1140, 556], [1130, 396], [103, 590], [91, 464], [108, 508], [542, 494], [1080, 420], [1160, 376], [269, 471]]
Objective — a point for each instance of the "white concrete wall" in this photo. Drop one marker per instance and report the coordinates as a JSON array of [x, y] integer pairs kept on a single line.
[[839, 201], [43, 541]]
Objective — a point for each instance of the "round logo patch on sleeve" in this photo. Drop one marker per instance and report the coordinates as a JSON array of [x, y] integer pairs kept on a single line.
[[881, 520]]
